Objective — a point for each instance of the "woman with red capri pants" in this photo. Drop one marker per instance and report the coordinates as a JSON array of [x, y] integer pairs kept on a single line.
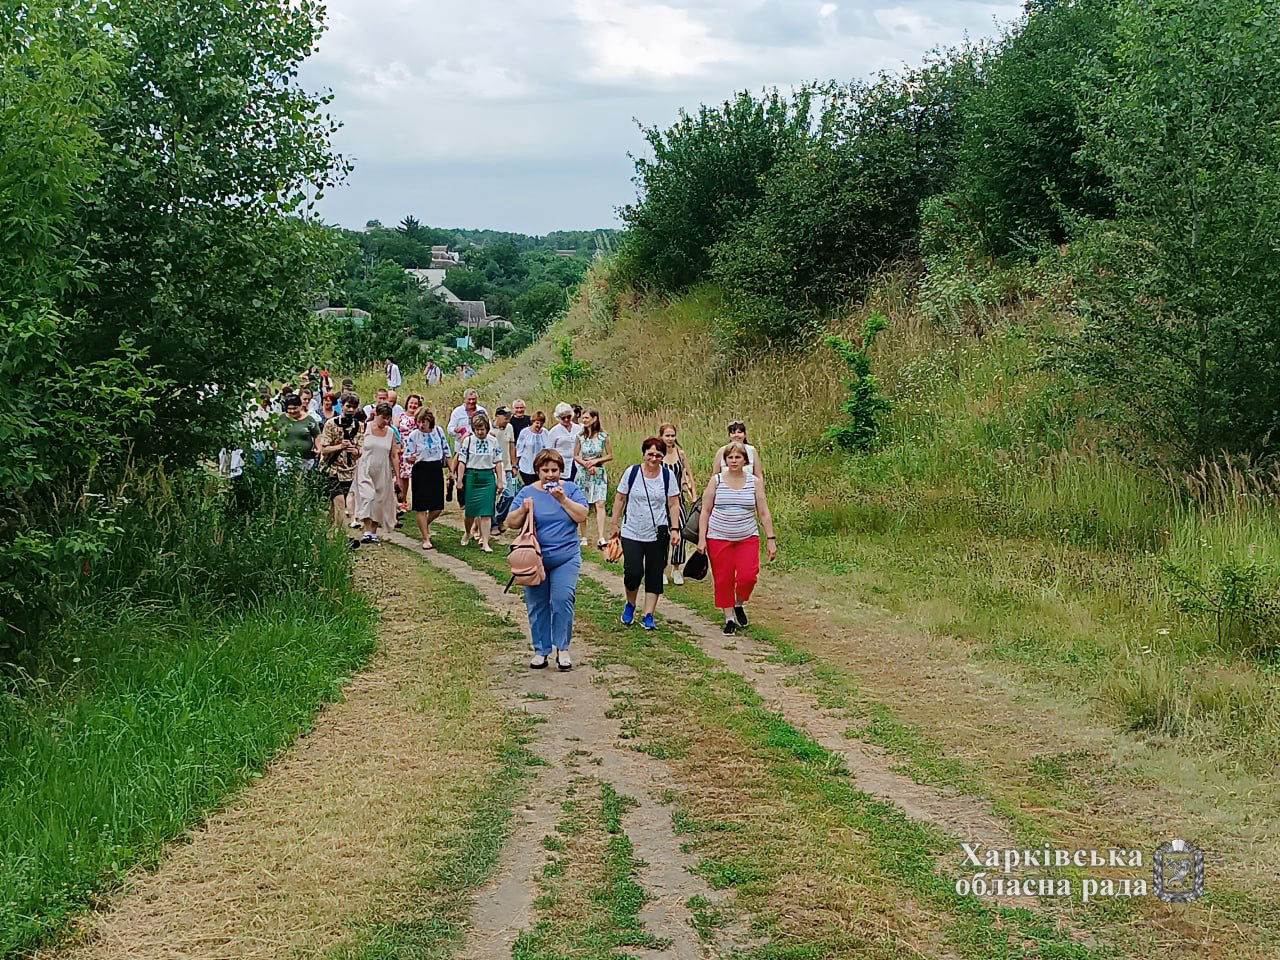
[[728, 532]]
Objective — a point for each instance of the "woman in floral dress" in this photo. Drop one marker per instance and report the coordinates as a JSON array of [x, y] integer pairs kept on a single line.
[[593, 452]]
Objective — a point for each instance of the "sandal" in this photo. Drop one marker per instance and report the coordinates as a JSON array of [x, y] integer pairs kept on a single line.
[[486, 548]]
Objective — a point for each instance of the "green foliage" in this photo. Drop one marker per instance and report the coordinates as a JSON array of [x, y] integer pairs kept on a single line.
[[465, 283], [542, 304], [705, 175], [192, 242], [1236, 596], [1021, 173], [866, 404], [836, 208], [1181, 293], [566, 370], [203, 642]]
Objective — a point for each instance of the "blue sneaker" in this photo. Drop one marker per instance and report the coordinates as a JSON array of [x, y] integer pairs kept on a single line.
[[648, 623], [628, 615]]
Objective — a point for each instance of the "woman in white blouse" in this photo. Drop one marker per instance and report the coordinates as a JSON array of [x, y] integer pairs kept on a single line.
[[563, 438], [738, 434], [479, 459]]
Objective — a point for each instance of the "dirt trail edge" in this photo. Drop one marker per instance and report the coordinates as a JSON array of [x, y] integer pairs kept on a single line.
[[577, 738], [300, 859]]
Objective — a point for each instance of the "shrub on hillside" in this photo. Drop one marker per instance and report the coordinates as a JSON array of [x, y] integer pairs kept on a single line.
[[1181, 293], [703, 177], [1021, 171], [836, 209]]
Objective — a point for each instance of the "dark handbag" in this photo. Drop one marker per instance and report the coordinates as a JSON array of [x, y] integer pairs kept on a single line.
[[696, 566], [689, 529]]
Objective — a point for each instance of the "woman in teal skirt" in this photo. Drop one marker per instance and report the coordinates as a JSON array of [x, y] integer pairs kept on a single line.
[[480, 470]]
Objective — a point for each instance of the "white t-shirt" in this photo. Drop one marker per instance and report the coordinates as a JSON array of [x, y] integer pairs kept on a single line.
[[393, 377], [434, 376], [647, 506], [507, 437], [396, 411]]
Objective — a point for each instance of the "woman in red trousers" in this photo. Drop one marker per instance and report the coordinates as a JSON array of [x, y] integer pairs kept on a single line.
[[728, 532]]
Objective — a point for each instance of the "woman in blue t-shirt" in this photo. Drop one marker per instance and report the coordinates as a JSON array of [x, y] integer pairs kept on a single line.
[[558, 507]]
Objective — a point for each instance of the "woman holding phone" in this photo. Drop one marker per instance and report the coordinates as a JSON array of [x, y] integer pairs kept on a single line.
[[558, 507]]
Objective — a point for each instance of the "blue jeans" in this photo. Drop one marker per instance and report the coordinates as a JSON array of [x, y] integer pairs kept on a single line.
[[550, 606]]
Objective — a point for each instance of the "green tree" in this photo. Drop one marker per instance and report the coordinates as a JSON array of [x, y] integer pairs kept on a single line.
[[54, 68], [1181, 293], [465, 283], [704, 177], [835, 209], [541, 305], [1022, 173], [210, 151]]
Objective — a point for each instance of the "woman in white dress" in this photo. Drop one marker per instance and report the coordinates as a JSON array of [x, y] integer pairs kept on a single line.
[[375, 489]]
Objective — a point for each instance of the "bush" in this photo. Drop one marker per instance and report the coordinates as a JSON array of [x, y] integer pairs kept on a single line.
[[866, 404], [567, 370], [836, 209], [1021, 171], [704, 177], [1181, 294]]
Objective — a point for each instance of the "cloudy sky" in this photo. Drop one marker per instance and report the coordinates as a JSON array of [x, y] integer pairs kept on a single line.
[[519, 115]]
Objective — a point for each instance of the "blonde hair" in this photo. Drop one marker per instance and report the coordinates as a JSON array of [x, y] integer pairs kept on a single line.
[[733, 446]]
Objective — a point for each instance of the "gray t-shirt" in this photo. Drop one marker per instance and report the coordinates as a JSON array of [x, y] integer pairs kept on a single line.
[[647, 504]]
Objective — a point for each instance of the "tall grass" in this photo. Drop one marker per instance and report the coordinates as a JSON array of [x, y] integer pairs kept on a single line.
[[203, 643]]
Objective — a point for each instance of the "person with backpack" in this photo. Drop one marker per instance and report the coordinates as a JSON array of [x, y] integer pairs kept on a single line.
[[730, 536], [648, 527], [553, 508]]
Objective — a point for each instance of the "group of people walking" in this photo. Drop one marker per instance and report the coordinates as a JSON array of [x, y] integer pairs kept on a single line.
[[380, 461]]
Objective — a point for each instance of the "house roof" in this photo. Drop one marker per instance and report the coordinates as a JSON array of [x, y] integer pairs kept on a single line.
[[473, 312], [344, 312], [431, 277]]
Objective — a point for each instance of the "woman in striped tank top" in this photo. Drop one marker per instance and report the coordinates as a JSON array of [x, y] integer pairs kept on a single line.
[[728, 532]]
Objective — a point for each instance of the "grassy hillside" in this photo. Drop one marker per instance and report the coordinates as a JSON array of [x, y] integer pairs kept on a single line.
[[995, 512]]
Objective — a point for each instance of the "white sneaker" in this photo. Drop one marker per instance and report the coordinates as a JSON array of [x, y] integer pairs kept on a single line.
[[664, 580], [584, 542], [677, 577]]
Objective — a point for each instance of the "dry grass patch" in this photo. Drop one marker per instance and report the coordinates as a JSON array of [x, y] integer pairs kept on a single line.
[[334, 835]]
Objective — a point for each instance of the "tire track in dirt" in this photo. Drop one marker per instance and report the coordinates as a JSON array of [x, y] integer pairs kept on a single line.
[[957, 815], [577, 736], [960, 816]]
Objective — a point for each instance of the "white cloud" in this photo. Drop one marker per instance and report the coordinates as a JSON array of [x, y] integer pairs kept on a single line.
[[539, 98]]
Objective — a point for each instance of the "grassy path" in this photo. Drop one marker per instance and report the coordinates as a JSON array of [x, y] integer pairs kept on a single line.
[[679, 794]]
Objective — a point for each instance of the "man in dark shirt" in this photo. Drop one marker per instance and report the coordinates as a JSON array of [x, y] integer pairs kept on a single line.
[[519, 419]]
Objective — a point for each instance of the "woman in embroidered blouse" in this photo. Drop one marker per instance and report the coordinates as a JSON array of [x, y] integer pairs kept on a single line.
[[593, 452], [426, 450], [479, 459], [406, 423]]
